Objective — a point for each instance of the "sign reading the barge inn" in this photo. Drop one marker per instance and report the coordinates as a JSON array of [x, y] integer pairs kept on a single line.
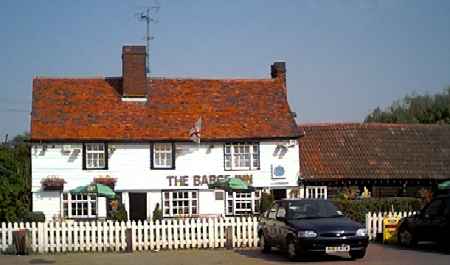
[[199, 180]]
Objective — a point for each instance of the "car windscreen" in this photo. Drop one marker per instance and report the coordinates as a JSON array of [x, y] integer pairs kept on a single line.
[[305, 209]]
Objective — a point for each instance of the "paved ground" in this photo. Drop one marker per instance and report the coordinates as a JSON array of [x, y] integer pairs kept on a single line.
[[377, 254]]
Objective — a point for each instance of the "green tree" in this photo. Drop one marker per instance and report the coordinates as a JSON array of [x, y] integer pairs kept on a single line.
[[416, 109], [15, 178]]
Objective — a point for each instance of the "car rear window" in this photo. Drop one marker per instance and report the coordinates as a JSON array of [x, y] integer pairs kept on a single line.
[[303, 209]]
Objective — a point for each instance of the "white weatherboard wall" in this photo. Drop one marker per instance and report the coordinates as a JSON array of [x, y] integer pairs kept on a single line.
[[210, 205], [49, 203], [130, 164]]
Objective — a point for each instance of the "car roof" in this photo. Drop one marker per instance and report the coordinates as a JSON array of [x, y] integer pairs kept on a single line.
[[297, 199]]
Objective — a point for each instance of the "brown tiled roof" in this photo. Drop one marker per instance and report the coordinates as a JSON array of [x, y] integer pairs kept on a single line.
[[92, 109], [374, 151]]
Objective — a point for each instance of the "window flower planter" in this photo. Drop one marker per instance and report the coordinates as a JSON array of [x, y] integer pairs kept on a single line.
[[106, 180], [53, 184]]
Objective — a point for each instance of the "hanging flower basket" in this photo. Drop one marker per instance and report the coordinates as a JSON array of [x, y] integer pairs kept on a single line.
[[106, 180], [53, 183]]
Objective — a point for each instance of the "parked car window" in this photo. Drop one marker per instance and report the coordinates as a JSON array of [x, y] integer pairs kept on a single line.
[[281, 212], [303, 209], [273, 212], [434, 208], [447, 208]]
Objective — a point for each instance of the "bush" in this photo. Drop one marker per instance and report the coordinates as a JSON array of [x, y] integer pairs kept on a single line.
[[118, 214], [157, 213], [32, 217], [357, 209], [266, 202]]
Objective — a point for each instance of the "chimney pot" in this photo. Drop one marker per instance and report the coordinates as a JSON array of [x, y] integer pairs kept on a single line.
[[278, 71]]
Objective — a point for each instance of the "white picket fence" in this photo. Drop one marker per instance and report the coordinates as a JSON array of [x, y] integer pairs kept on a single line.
[[99, 236], [374, 221]]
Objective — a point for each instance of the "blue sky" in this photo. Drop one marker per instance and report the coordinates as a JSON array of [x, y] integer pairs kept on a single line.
[[344, 57]]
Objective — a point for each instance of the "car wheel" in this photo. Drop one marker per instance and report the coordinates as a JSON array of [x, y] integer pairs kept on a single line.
[[264, 244], [405, 237], [359, 254], [291, 249]]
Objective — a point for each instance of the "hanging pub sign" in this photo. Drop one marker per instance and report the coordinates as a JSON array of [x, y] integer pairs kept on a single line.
[[200, 180]]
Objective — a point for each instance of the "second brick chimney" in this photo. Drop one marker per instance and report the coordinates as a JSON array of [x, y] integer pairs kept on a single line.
[[278, 71], [134, 78]]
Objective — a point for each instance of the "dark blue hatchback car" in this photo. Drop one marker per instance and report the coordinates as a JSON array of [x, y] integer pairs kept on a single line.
[[305, 226]]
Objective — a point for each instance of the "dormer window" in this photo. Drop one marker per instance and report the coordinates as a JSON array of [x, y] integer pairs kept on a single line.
[[95, 156]]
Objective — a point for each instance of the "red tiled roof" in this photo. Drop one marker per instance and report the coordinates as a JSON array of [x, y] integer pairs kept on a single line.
[[92, 109], [374, 151]]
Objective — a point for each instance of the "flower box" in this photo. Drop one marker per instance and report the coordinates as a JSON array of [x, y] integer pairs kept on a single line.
[[53, 183], [106, 180]]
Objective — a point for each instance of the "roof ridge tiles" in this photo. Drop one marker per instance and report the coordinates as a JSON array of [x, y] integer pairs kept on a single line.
[[369, 124], [152, 78]]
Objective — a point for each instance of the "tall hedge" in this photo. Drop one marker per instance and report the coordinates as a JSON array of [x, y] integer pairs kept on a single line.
[[357, 209], [15, 179]]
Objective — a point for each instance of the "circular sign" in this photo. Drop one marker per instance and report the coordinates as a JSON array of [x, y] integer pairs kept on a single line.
[[278, 171]]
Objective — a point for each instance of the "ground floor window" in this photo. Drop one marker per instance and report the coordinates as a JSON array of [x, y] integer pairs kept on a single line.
[[180, 203], [316, 192], [79, 205], [242, 203]]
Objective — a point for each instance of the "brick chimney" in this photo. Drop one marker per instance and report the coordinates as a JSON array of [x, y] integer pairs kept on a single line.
[[133, 71], [278, 71]]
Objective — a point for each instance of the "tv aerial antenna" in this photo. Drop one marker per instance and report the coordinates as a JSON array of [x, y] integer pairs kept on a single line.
[[148, 16]]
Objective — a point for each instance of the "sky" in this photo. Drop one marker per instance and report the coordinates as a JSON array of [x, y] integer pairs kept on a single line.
[[344, 57]]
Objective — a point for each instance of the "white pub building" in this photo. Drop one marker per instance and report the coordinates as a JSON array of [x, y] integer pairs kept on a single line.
[[145, 134]]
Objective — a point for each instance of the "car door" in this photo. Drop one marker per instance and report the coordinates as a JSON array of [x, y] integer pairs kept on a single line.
[[270, 223], [281, 227], [430, 219]]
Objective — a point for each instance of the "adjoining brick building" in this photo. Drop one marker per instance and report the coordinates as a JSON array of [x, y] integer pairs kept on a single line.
[[387, 159]]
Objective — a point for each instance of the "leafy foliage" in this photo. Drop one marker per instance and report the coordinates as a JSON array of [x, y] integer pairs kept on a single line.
[[416, 109], [157, 213], [357, 209], [266, 202], [118, 212], [32, 217], [15, 179]]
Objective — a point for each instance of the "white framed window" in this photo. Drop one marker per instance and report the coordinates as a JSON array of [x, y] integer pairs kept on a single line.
[[241, 156], [95, 156], [180, 203], [316, 192], [242, 203], [162, 156], [80, 205]]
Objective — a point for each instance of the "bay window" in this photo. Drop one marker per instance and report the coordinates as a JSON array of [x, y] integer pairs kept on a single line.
[[80, 205], [242, 203], [180, 203], [241, 156]]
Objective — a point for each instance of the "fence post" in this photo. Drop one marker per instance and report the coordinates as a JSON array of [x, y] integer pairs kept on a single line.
[[4, 245], [211, 233], [139, 235], [255, 231], [129, 239], [368, 226], [157, 234], [229, 234]]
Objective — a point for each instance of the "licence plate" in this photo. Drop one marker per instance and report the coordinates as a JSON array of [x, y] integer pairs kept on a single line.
[[336, 249]]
